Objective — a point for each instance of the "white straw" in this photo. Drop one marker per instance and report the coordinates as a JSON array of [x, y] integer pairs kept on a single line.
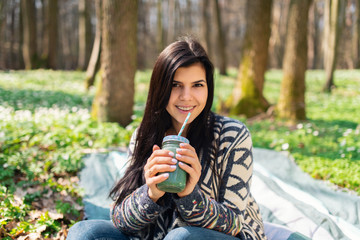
[[184, 124]]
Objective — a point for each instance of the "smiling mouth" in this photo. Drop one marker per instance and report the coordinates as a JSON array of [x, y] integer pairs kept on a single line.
[[185, 108]]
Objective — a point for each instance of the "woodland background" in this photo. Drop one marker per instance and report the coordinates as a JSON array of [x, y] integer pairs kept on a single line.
[[67, 29]]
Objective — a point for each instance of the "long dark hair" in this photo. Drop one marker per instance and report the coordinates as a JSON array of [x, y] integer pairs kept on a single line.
[[156, 120]]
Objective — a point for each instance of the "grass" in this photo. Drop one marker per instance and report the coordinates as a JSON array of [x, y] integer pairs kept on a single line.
[[327, 145], [46, 129]]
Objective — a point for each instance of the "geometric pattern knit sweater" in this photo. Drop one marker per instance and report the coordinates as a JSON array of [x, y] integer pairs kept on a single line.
[[222, 203]]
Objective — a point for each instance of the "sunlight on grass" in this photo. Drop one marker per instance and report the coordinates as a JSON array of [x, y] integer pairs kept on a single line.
[[327, 145]]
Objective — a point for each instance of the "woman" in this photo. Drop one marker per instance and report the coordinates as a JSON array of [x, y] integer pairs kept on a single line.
[[216, 202]]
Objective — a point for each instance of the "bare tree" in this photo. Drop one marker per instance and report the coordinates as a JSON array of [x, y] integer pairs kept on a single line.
[[68, 39], [291, 104], [220, 39], [206, 27], [29, 33], [248, 98], [280, 11], [114, 98], [3, 7], [94, 62], [143, 34], [160, 28], [315, 31], [52, 29], [171, 23], [356, 36], [12, 35], [334, 10], [188, 16], [85, 35]]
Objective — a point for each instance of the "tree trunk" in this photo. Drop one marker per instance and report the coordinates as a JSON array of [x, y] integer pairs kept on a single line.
[[94, 62], [356, 36], [21, 39], [311, 37], [291, 103], [67, 59], [248, 98], [278, 33], [143, 34], [220, 39], [29, 33], [53, 33], [188, 17], [317, 63], [206, 27], [171, 29], [84, 34], [333, 21], [160, 31], [3, 10], [114, 98], [12, 36]]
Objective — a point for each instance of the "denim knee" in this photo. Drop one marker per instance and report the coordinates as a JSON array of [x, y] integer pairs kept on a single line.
[[180, 233], [93, 230], [79, 231], [196, 233]]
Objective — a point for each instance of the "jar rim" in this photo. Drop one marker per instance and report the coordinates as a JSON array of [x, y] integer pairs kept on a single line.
[[175, 138]]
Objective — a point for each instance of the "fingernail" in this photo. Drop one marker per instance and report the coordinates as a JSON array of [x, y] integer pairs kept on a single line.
[[173, 166], [171, 154], [178, 150], [174, 160], [181, 163], [178, 156], [165, 174], [182, 145]]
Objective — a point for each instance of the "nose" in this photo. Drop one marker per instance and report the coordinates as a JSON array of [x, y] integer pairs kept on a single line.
[[185, 94]]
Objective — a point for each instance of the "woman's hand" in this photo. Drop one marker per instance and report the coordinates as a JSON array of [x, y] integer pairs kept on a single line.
[[159, 161], [187, 154]]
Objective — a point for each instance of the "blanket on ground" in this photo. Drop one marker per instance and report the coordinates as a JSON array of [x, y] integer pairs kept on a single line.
[[292, 203]]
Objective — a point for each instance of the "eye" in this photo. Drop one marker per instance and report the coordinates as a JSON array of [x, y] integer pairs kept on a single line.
[[175, 85], [198, 85]]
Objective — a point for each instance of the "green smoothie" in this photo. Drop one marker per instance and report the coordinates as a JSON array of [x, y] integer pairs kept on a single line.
[[176, 181]]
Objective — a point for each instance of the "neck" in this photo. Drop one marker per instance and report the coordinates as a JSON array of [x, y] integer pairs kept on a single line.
[[173, 131]]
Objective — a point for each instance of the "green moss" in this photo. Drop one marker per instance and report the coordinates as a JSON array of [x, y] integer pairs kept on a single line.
[[251, 101], [95, 103], [291, 105]]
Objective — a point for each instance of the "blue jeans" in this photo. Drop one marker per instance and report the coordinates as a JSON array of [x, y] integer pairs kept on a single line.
[[105, 230]]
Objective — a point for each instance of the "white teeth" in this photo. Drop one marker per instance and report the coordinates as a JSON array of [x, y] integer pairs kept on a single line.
[[185, 108]]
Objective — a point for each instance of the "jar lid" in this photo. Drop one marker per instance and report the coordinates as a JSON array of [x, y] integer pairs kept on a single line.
[[175, 138]]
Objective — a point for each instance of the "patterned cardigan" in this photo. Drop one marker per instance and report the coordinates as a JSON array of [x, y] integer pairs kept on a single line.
[[223, 204]]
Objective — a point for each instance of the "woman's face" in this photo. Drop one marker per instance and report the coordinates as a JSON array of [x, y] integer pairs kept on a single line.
[[189, 94]]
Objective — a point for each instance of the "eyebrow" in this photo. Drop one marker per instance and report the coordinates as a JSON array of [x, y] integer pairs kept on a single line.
[[198, 81]]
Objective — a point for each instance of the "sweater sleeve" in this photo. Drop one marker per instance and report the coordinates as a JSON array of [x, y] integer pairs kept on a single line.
[[227, 214], [137, 210]]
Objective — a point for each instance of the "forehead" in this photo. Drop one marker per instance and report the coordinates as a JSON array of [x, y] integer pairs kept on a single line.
[[194, 72]]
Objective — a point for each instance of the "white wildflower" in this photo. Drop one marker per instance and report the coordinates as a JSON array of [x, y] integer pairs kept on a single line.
[[285, 146], [347, 132], [350, 149]]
